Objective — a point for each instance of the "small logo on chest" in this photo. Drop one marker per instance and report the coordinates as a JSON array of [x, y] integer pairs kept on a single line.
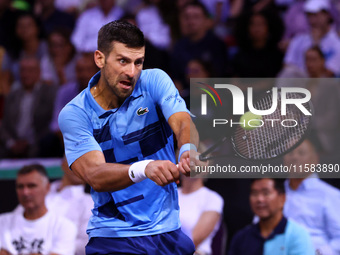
[[142, 111]]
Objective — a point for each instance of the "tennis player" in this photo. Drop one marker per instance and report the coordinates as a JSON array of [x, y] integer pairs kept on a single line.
[[118, 136]]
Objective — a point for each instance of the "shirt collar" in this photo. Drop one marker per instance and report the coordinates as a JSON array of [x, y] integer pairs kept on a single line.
[[306, 184], [137, 92], [279, 229]]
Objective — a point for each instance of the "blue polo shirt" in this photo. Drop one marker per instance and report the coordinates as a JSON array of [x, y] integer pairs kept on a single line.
[[135, 131], [288, 238]]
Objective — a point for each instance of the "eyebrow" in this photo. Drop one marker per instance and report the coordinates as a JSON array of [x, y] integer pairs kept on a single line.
[[127, 58]]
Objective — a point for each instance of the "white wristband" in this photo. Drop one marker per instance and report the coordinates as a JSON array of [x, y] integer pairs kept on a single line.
[[186, 147], [137, 170]]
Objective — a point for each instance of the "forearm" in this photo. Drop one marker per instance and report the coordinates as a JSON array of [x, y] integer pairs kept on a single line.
[[101, 176], [108, 177], [184, 129]]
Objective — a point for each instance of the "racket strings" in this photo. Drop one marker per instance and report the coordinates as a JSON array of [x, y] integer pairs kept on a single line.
[[279, 133]]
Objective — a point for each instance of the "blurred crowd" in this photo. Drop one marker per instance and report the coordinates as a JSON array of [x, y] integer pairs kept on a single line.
[[46, 59], [46, 54]]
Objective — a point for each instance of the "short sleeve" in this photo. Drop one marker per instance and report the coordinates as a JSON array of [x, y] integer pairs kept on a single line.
[[77, 131], [214, 202], [163, 91]]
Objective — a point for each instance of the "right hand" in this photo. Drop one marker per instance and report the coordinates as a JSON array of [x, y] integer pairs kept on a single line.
[[162, 172]]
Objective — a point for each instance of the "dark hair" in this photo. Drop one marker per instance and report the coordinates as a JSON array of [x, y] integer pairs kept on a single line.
[[278, 184], [31, 168], [198, 4], [318, 50], [17, 44], [119, 31], [274, 24]]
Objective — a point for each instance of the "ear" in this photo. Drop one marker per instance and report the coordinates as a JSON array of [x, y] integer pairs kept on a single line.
[[99, 59]]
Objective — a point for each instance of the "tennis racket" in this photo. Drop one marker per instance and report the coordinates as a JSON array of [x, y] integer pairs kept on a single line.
[[272, 139]]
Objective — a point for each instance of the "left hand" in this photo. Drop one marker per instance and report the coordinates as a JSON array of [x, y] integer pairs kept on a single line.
[[188, 162]]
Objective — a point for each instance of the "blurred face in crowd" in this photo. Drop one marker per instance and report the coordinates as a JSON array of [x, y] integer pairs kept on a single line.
[[258, 28], [26, 28], [265, 201], [196, 70], [121, 69], [106, 4], [305, 153], [60, 48], [320, 19], [193, 21], [315, 63], [29, 72], [32, 189], [85, 69], [46, 4]]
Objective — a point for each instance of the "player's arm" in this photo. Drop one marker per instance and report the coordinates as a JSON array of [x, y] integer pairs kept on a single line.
[[102, 176], [186, 133], [88, 161]]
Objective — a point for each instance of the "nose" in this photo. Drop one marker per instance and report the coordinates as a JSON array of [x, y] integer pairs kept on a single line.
[[130, 70]]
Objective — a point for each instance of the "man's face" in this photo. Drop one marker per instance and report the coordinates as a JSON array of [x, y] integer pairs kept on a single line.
[[303, 154], [29, 72], [315, 64], [265, 201], [319, 19], [193, 21], [31, 190], [121, 69], [85, 69]]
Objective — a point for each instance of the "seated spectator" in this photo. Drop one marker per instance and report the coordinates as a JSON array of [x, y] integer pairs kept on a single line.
[[312, 202], [67, 196], [325, 96], [51, 17], [200, 212], [29, 42], [273, 234], [53, 145], [258, 55], [321, 33], [150, 20], [58, 66], [35, 229], [27, 113], [197, 41], [315, 63], [84, 36]]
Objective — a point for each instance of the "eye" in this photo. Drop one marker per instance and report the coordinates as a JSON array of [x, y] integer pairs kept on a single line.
[[139, 62], [122, 61]]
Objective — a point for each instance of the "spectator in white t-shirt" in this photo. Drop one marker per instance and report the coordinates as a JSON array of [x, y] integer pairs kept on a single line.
[[200, 212], [67, 196], [35, 230]]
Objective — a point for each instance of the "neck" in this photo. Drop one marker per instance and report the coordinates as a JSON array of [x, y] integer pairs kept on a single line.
[[104, 97], [106, 11], [294, 183], [198, 36], [191, 185], [36, 213], [47, 12], [31, 46], [259, 44], [268, 225]]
